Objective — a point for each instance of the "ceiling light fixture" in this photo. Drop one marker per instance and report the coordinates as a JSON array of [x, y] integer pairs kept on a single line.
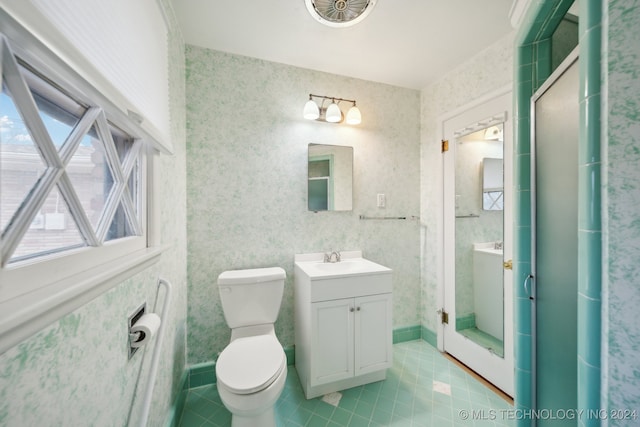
[[340, 13], [332, 113]]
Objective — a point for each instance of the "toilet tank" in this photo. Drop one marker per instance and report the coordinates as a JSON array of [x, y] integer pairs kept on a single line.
[[251, 297]]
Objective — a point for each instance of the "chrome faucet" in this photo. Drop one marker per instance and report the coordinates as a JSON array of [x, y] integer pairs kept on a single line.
[[332, 257], [498, 244]]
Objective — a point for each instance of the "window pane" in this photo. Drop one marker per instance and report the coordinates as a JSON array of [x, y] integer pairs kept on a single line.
[[133, 187], [58, 112], [119, 226], [53, 118], [91, 176], [52, 230], [122, 140], [21, 164]]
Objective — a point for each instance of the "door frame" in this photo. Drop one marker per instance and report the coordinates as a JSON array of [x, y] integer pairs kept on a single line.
[[493, 107]]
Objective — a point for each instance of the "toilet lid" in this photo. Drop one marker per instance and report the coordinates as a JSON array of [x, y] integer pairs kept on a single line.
[[250, 364]]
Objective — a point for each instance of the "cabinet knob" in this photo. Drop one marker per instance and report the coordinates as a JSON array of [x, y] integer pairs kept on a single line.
[[358, 308], [351, 309]]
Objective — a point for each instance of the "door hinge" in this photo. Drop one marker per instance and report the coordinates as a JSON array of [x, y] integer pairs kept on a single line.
[[445, 145], [444, 317]]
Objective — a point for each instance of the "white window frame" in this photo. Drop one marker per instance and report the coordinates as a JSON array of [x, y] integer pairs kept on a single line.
[[37, 291]]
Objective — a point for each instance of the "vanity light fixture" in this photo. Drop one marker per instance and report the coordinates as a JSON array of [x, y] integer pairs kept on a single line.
[[311, 110], [332, 113], [493, 133]]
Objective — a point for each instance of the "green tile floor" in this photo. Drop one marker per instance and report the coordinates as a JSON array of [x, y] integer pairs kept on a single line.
[[422, 389]]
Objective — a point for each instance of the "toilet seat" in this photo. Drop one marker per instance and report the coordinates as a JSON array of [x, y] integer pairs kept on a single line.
[[248, 365]]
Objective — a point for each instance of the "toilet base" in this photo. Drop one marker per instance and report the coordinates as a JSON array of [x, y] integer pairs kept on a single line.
[[265, 419]]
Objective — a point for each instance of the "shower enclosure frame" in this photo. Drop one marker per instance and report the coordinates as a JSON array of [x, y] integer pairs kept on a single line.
[[532, 68]]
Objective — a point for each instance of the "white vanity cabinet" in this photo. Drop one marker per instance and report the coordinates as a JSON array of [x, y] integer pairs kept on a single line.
[[343, 324]]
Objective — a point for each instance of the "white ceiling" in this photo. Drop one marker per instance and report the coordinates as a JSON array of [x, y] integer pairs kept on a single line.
[[407, 43]]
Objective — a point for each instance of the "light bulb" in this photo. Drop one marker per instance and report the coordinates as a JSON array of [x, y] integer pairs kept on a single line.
[[353, 115], [311, 111], [334, 115]]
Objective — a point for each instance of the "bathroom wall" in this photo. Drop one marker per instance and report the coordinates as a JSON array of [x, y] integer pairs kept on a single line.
[[487, 71], [76, 371], [621, 201], [247, 183]]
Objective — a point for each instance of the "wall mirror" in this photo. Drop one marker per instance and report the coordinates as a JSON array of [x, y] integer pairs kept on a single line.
[[330, 178], [478, 238]]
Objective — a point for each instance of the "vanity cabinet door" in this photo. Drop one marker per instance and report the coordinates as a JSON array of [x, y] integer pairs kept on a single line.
[[332, 340], [373, 335]]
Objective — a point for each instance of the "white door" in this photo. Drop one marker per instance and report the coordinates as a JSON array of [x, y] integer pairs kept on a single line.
[[332, 340], [477, 220], [373, 346]]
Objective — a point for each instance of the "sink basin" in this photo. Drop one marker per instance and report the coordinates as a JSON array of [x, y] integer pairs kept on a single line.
[[352, 264], [487, 248]]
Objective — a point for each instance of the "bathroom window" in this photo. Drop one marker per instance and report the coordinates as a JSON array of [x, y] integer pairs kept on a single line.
[[74, 182]]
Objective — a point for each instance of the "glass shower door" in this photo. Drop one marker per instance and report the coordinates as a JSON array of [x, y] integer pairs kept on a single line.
[[555, 240]]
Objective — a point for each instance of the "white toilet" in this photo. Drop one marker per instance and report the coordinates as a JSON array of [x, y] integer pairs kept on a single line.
[[252, 369]]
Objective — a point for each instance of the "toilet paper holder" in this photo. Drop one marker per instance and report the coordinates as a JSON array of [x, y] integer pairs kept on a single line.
[[135, 336]]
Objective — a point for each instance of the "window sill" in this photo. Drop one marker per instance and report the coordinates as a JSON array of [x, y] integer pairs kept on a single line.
[[26, 314]]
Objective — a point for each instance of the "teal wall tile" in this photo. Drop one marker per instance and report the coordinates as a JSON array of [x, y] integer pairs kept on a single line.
[[407, 333], [202, 368], [202, 378], [465, 322], [522, 248], [522, 314], [524, 72], [589, 380], [290, 353], [524, 56], [523, 352], [523, 142], [590, 74], [523, 172], [589, 202], [590, 130], [522, 398], [590, 16], [522, 199], [590, 270], [589, 318], [429, 336]]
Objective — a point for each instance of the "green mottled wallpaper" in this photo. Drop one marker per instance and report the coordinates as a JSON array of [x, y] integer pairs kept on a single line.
[[247, 182], [621, 224]]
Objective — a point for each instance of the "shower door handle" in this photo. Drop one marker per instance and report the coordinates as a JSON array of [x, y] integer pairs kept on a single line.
[[527, 280]]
